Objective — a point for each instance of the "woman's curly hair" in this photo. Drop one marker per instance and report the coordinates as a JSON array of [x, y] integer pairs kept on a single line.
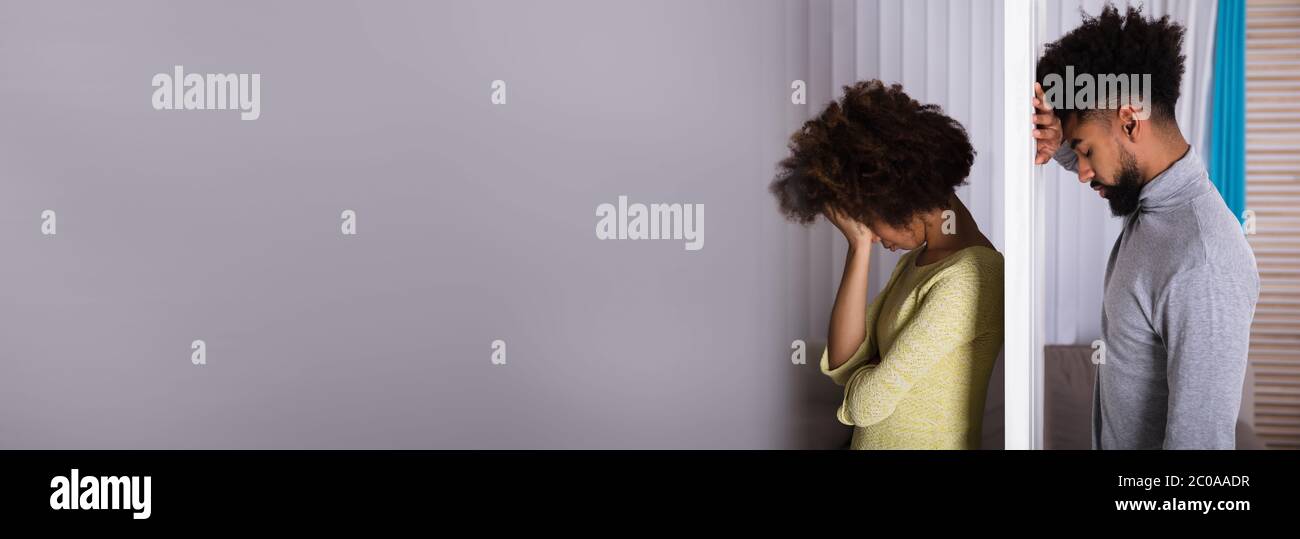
[[877, 154]]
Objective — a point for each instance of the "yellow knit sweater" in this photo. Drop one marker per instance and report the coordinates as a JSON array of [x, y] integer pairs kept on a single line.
[[937, 329]]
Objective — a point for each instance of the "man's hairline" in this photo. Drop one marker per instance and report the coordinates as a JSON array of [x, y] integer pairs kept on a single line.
[[1163, 121]]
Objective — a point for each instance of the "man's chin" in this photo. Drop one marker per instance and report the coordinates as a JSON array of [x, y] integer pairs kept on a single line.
[[1121, 207], [1120, 201]]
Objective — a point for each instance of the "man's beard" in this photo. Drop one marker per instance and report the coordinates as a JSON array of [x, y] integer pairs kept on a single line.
[[1124, 196]]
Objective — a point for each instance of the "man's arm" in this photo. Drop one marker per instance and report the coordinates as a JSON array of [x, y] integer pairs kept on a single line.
[[1204, 320]]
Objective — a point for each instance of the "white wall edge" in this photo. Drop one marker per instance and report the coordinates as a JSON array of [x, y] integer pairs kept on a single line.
[[1022, 210]]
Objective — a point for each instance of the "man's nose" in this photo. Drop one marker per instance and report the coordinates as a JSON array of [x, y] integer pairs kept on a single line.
[[1085, 172]]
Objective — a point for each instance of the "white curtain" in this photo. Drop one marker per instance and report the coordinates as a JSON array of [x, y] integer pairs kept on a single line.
[[1079, 227]]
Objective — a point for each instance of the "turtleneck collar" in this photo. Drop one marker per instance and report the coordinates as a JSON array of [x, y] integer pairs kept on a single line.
[[1183, 181]]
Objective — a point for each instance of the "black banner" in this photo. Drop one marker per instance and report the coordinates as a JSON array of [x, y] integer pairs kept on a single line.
[[322, 488]]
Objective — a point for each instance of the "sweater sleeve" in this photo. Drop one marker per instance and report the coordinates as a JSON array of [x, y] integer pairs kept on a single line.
[[946, 318], [1204, 321], [1067, 159], [840, 375]]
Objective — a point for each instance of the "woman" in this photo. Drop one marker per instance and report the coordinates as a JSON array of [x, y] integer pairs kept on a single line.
[[915, 363]]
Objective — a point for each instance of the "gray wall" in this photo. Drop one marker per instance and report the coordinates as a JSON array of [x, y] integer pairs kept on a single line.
[[476, 222]]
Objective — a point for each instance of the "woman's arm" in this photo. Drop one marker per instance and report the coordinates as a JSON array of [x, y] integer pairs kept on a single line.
[[848, 328], [947, 318]]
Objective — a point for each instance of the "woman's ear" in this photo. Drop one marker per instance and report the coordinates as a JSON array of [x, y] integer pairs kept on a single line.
[[924, 221], [933, 217]]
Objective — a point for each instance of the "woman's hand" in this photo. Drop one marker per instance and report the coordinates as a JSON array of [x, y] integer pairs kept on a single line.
[[858, 234]]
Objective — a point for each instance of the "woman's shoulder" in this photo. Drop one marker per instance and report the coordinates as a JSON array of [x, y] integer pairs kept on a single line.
[[972, 256], [977, 262], [980, 255]]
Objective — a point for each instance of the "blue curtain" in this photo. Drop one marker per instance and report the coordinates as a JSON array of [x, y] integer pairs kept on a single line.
[[1226, 157]]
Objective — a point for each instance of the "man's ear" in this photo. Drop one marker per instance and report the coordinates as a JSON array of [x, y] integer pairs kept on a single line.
[[1129, 121]]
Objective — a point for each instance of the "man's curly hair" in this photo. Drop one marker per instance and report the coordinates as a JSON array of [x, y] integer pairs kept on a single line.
[[877, 154], [1126, 44]]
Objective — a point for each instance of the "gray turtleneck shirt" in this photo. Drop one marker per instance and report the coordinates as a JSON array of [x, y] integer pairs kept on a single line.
[[1177, 306]]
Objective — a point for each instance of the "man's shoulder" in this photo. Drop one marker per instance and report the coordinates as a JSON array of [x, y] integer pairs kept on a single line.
[[1221, 239], [1201, 233]]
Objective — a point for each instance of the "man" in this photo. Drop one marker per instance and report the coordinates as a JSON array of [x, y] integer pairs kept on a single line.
[[1181, 283]]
